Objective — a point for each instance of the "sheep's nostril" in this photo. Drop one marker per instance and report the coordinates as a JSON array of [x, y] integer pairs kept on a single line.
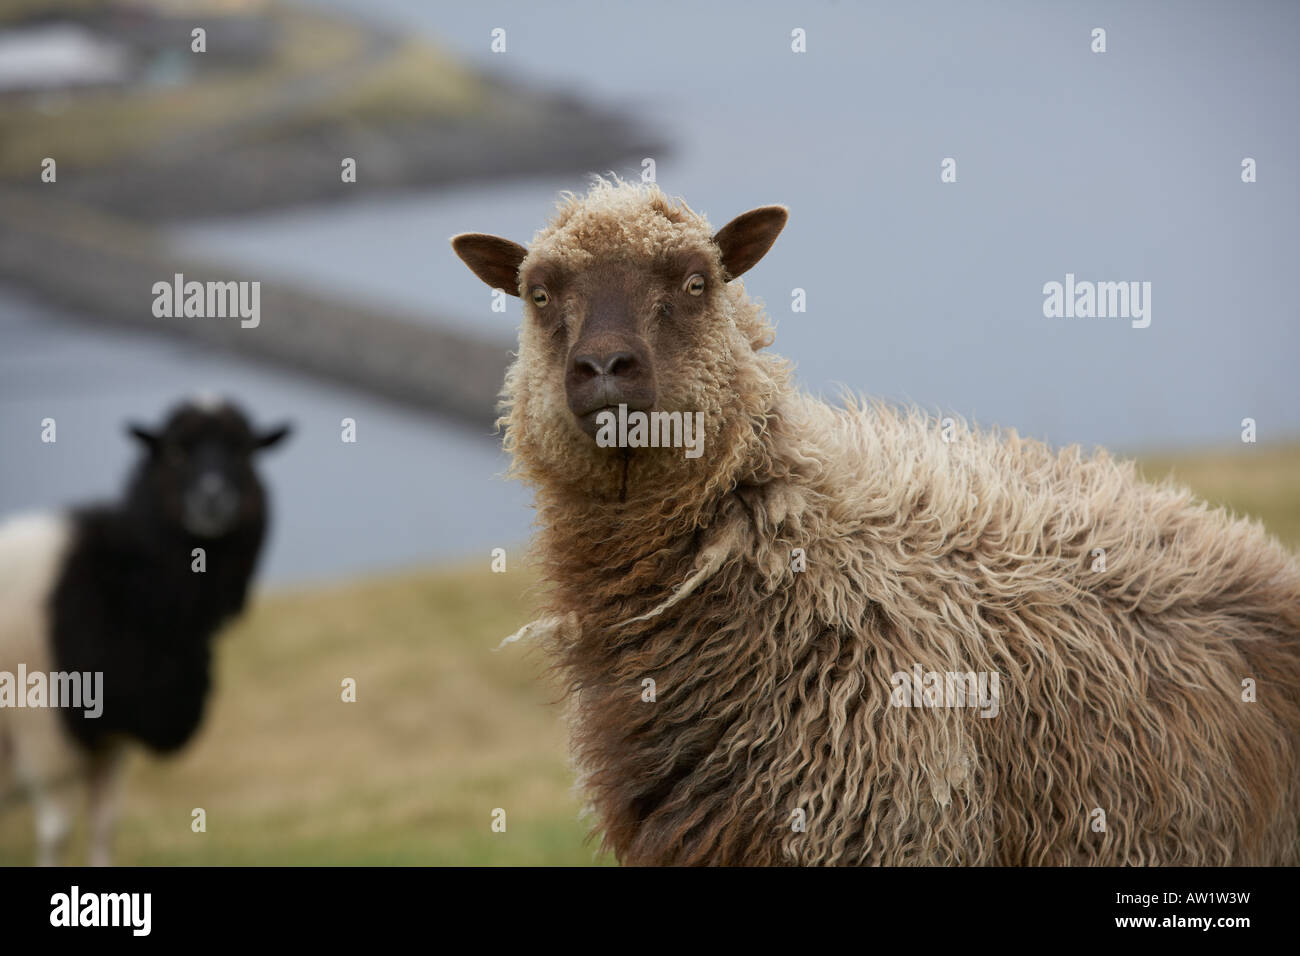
[[587, 366], [621, 363], [614, 364]]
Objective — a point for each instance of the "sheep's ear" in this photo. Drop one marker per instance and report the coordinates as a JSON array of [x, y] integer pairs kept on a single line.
[[273, 436], [149, 439], [747, 238], [491, 258]]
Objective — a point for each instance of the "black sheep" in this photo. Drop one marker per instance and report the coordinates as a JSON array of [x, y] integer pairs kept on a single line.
[[134, 591]]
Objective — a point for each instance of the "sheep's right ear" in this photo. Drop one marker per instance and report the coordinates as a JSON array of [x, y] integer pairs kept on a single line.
[[493, 259], [144, 436]]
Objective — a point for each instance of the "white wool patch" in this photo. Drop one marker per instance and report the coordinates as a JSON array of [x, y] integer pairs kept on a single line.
[[32, 547], [544, 627]]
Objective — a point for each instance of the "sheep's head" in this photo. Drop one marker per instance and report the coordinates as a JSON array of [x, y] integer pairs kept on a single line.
[[197, 475], [629, 300]]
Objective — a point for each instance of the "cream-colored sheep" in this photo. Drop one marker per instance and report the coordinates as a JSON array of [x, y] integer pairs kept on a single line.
[[789, 589]]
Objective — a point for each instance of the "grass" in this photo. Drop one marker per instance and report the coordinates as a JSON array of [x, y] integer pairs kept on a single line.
[[1262, 481], [445, 728]]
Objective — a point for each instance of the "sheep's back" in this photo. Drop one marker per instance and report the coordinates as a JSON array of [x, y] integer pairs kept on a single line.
[[1122, 618]]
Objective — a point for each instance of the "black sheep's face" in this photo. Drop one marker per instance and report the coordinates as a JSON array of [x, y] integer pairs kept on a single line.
[[632, 327], [199, 470]]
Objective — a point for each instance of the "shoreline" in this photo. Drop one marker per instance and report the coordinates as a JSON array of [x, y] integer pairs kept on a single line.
[[273, 135]]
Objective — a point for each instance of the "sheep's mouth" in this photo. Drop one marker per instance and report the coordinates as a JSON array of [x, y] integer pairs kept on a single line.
[[209, 515], [590, 421]]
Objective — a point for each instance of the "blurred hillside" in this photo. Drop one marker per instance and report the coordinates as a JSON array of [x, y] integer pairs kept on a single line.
[[143, 126], [285, 107], [1258, 481], [445, 728]]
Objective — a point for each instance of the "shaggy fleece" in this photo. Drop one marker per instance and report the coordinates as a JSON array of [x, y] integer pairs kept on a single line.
[[1121, 734]]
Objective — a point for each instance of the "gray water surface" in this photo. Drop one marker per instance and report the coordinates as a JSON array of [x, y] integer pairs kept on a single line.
[[410, 491], [1117, 166], [1122, 166]]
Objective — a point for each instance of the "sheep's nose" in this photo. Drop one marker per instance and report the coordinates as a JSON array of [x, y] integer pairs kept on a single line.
[[211, 504], [213, 488], [613, 364]]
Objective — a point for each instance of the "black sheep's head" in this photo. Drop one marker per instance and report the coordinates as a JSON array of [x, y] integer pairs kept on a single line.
[[198, 474]]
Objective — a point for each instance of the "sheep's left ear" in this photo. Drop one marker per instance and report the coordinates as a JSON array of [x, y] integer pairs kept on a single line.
[[494, 260], [147, 438], [273, 437], [747, 238]]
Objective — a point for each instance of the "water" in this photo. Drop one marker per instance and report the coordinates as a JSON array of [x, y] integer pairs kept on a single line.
[[1119, 166], [410, 490], [1115, 167]]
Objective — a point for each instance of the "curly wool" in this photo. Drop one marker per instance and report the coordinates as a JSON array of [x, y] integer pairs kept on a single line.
[[1121, 681]]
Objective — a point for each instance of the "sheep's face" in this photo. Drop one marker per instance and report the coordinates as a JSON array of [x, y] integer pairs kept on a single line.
[[619, 333], [198, 472], [624, 308]]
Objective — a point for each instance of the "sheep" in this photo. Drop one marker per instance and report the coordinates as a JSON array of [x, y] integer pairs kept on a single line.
[[133, 591], [760, 643]]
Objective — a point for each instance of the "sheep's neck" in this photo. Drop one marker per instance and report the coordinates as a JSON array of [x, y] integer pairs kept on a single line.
[[627, 462]]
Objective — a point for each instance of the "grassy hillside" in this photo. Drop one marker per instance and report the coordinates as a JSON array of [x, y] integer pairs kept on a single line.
[[1259, 481], [96, 127], [445, 729]]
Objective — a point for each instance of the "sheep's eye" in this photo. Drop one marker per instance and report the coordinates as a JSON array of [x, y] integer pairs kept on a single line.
[[540, 298], [695, 284]]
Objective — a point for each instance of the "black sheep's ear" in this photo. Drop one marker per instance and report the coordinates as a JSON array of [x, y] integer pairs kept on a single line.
[[747, 238], [144, 436], [273, 436], [493, 259]]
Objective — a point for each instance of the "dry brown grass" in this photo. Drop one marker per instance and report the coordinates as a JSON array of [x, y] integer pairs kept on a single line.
[[445, 729]]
